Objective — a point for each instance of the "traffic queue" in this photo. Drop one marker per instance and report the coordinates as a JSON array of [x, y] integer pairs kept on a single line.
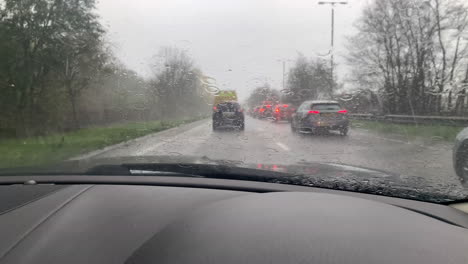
[[310, 117], [275, 111]]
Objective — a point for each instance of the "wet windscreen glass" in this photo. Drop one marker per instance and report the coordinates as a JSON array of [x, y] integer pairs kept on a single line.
[[376, 90]]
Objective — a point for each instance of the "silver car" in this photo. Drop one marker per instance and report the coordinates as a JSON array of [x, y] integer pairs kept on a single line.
[[314, 116], [460, 156]]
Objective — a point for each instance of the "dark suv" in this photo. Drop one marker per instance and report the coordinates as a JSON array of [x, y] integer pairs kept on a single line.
[[228, 114], [313, 116]]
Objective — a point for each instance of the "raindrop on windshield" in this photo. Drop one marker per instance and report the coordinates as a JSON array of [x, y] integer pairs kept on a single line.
[[272, 149]]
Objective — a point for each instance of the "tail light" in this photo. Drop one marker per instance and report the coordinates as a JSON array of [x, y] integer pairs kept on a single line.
[[315, 112], [262, 110], [277, 110], [268, 106], [215, 108], [343, 111], [285, 105]]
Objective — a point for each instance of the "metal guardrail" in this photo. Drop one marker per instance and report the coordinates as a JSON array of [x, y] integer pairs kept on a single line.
[[414, 120]]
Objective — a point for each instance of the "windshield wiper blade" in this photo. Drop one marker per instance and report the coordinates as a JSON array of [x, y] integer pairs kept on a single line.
[[249, 174], [186, 169]]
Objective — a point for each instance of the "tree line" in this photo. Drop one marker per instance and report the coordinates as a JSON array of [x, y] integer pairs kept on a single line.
[[413, 55], [407, 57], [308, 79], [58, 73]]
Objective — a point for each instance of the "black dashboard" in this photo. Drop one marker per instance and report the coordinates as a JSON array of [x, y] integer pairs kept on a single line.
[[197, 220]]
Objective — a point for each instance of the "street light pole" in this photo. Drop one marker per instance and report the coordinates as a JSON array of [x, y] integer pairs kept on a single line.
[[332, 64], [283, 61], [284, 69]]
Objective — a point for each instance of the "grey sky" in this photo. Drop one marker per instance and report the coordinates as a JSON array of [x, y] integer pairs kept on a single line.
[[237, 42]]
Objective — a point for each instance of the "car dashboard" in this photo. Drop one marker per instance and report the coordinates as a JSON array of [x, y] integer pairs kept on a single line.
[[197, 220]]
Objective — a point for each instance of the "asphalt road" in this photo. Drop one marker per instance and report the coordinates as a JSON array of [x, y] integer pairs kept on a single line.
[[266, 142]]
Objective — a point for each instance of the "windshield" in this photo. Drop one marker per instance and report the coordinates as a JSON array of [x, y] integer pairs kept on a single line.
[[364, 86]]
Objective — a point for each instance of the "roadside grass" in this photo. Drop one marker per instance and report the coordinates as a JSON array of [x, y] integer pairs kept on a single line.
[[58, 147], [431, 132]]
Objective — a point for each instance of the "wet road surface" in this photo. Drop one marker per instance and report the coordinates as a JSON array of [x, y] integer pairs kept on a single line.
[[266, 142]]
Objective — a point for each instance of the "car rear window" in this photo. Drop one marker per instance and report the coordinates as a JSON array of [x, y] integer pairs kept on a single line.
[[228, 107], [325, 107]]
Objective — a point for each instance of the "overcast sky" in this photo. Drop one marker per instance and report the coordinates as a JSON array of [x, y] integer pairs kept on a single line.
[[237, 42]]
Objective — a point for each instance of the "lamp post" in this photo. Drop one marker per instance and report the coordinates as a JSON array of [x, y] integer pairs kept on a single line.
[[332, 65], [283, 61]]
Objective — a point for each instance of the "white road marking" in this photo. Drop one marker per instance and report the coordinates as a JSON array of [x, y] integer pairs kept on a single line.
[[394, 140], [283, 146], [176, 138], [143, 151]]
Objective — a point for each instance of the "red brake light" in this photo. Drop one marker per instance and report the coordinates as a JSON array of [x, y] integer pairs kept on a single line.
[[314, 112], [285, 105], [269, 106], [215, 108], [277, 110], [262, 110], [343, 111]]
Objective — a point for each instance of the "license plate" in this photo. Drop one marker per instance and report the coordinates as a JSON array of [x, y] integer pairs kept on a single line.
[[327, 115], [321, 123], [229, 114]]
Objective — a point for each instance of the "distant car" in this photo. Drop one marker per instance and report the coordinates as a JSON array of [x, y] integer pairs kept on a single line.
[[283, 112], [256, 112], [460, 156], [228, 114], [265, 111], [253, 111], [315, 116]]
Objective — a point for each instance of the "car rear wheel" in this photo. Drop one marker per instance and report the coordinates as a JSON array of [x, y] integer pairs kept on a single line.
[[242, 126], [344, 131]]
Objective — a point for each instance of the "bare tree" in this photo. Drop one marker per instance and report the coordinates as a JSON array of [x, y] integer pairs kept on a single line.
[[176, 84], [412, 53], [309, 79]]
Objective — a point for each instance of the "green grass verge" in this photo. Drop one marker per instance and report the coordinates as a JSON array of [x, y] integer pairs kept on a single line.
[[54, 148], [431, 132]]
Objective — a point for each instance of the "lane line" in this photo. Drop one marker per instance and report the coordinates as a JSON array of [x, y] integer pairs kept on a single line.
[[171, 140], [393, 140], [143, 151], [284, 147], [132, 142]]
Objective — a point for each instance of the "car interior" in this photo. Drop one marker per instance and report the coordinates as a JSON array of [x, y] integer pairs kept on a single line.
[[142, 219]]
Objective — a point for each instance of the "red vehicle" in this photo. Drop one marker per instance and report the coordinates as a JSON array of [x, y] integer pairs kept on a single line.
[[265, 111], [283, 112]]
